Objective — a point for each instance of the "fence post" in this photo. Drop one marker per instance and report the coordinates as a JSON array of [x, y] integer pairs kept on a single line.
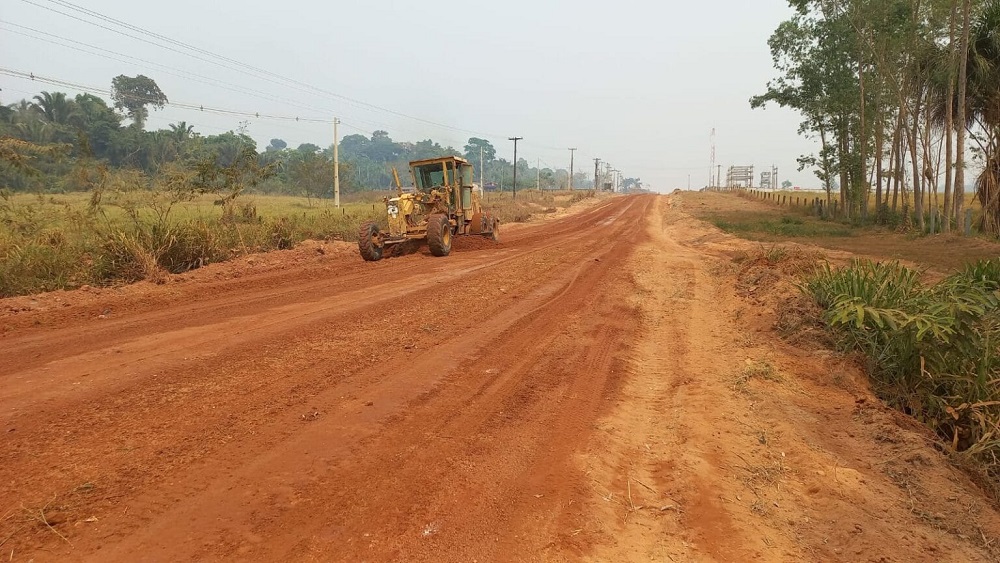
[[968, 222]]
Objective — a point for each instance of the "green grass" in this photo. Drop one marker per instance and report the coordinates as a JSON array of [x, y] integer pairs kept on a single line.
[[764, 226]]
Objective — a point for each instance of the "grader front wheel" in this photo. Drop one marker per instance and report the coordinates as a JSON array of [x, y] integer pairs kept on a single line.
[[439, 235]]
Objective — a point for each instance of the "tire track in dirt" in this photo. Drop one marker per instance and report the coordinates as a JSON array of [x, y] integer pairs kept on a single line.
[[574, 394], [185, 306], [703, 461], [176, 423], [210, 326]]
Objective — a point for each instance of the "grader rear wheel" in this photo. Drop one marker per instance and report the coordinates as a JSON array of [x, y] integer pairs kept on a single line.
[[439, 235], [370, 242]]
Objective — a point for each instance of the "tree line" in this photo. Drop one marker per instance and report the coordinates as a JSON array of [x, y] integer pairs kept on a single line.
[[904, 99], [55, 142]]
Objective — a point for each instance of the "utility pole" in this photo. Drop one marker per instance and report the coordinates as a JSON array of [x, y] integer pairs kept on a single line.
[[515, 139], [571, 153], [482, 170], [336, 164], [718, 177], [538, 174], [597, 164]]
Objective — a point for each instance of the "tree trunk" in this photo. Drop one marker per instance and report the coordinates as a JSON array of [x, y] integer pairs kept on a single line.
[[918, 193], [827, 174], [963, 74], [863, 139], [950, 121], [845, 178], [930, 173], [897, 165], [879, 147]]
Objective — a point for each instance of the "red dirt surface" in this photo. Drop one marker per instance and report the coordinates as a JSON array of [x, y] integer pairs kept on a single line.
[[572, 392]]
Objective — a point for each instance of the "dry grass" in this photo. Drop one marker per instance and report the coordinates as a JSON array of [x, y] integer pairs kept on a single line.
[[771, 224], [755, 370], [50, 242]]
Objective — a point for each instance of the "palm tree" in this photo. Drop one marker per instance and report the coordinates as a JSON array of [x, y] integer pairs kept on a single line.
[[983, 107], [35, 131], [162, 148], [20, 112], [181, 131], [56, 108], [979, 108]]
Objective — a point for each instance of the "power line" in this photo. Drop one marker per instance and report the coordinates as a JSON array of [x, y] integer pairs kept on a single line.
[[244, 68], [121, 57], [258, 73], [112, 55], [198, 107]]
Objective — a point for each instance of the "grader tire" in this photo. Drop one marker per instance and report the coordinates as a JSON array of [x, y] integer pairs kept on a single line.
[[439, 235], [495, 233], [368, 242]]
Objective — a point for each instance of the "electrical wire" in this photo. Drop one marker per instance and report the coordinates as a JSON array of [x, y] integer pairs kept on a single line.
[[227, 62], [255, 71]]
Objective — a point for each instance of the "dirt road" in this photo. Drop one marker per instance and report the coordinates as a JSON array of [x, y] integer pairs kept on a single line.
[[572, 393]]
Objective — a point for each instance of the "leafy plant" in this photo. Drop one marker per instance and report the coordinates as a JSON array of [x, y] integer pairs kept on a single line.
[[932, 351]]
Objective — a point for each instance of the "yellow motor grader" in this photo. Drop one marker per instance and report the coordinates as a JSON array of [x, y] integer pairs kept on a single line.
[[445, 203]]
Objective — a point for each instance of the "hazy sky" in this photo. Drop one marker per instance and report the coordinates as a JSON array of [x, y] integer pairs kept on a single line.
[[639, 84]]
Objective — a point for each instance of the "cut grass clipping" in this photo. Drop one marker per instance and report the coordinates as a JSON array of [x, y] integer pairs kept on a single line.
[[933, 351]]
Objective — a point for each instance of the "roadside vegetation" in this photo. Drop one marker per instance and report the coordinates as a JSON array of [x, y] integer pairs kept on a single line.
[[88, 199], [130, 227], [761, 226], [900, 94], [933, 351]]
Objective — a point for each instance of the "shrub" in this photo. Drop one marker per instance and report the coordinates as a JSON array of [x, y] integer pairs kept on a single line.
[[932, 351]]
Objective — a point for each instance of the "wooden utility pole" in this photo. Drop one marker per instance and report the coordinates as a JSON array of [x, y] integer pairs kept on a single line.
[[597, 174], [515, 139], [571, 153], [482, 169], [538, 174], [336, 165]]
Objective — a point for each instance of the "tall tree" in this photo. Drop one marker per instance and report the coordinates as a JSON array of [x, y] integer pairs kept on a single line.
[[99, 123], [133, 94], [473, 147]]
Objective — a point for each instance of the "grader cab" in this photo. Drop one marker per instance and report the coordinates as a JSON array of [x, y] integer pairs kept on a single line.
[[446, 203]]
